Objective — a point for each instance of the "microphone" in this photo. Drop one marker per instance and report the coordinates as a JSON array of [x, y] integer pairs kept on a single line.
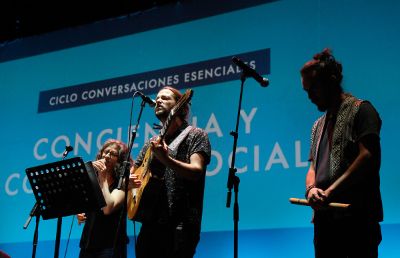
[[248, 71], [35, 211], [151, 102], [67, 150]]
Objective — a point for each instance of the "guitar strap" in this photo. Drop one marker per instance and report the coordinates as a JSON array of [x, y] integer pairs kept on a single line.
[[173, 146]]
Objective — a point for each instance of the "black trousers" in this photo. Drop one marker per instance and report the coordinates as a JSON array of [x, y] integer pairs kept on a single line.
[[157, 240], [100, 253], [346, 237]]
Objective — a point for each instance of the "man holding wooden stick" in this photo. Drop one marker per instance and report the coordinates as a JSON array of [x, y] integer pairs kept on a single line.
[[345, 161]]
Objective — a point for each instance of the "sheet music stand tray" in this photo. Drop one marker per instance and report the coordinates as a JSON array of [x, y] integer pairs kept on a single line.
[[64, 188]]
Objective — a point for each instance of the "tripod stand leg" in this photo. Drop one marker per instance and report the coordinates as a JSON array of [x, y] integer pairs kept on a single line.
[[58, 237], [35, 236]]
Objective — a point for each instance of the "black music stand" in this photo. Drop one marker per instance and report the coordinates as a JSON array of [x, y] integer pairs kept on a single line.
[[64, 188]]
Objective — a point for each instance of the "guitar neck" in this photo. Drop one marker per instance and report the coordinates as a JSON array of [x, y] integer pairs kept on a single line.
[[181, 103], [165, 127]]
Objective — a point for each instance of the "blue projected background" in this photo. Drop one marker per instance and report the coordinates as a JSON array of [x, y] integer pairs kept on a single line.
[[275, 37]]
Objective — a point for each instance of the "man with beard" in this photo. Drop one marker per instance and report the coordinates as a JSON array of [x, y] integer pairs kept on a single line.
[[172, 222], [345, 160]]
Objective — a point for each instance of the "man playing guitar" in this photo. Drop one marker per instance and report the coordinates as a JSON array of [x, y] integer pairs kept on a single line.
[[172, 167]]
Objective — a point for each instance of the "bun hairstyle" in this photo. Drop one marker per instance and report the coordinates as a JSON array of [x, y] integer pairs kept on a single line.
[[329, 68], [324, 69]]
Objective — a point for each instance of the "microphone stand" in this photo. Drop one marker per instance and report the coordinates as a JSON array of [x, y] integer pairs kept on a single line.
[[59, 219], [233, 180], [36, 212], [124, 175]]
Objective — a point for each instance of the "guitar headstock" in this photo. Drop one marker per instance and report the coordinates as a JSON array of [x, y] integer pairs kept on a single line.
[[184, 100]]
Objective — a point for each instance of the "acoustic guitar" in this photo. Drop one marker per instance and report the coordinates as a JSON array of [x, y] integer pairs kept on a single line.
[[141, 200]]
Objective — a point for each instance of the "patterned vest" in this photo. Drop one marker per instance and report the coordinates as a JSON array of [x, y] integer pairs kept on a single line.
[[343, 140]]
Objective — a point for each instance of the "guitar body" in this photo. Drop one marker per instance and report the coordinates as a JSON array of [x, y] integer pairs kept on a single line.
[[141, 200]]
